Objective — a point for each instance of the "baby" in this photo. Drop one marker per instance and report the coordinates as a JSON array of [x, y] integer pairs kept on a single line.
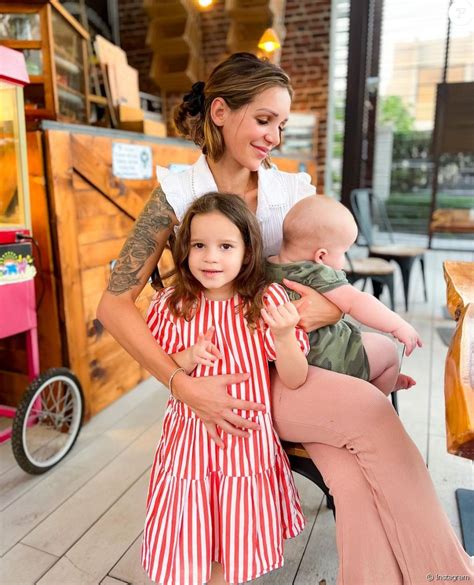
[[317, 232]]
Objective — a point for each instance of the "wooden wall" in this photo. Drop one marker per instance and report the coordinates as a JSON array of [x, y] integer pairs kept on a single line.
[[81, 216]]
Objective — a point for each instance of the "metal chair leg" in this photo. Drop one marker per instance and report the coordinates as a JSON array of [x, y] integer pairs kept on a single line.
[[305, 467], [405, 268], [377, 287], [422, 264], [394, 397], [391, 291], [378, 283], [330, 504]]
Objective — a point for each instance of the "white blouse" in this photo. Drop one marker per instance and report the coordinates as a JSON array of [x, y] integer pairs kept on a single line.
[[278, 191]]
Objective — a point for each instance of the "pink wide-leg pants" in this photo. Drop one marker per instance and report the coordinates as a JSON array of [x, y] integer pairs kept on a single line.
[[391, 528]]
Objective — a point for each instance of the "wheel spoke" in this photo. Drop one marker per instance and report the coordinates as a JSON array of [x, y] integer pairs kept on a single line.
[[69, 404]]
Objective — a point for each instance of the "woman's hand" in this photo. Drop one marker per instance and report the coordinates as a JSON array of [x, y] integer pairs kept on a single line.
[[209, 399], [314, 309]]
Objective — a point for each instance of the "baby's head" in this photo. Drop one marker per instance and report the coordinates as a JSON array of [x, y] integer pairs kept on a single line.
[[318, 229]]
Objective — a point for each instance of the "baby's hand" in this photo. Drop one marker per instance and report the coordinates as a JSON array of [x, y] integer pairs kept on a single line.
[[407, 334], [281, 320], [204, 351]]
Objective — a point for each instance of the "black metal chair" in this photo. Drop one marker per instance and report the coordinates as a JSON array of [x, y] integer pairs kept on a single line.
[[365, 205], [302, 463], [378, 270]]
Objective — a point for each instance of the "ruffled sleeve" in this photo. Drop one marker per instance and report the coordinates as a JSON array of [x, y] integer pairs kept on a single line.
[[184, 185], [173, 186], [275, 296], [304, 188], [164, 326]]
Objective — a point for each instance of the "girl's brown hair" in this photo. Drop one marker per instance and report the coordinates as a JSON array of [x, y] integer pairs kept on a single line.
[[250, 282], [237, 80]]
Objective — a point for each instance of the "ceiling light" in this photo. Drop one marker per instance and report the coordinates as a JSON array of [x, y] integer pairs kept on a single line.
[[269, 41]]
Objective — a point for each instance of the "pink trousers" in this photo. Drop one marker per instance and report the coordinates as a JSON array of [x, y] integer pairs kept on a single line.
[[391, 528]]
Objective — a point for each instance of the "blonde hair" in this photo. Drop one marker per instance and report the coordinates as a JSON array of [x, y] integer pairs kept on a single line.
[[237, 80]]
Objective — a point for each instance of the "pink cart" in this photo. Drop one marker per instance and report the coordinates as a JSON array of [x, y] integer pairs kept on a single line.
[[49, 416], [50, 413]]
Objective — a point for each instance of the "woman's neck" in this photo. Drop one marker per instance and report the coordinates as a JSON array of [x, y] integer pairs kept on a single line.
[[231, 177]]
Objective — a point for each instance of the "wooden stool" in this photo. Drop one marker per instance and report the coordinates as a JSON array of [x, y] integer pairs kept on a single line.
[[302, 463]]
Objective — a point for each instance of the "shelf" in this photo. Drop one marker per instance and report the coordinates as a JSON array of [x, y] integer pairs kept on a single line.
[[71, 95], [37, 80], [56, 58], [68, 66], [38, 113], [18, 45], [65, 56], [97, 99]]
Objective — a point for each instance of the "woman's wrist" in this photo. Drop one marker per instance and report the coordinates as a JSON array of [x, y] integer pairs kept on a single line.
[[174, 373], [179, 386]]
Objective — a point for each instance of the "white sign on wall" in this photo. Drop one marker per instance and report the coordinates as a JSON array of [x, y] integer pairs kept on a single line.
[[131, 161]]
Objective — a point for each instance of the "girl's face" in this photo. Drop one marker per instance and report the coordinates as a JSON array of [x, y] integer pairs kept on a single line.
[[252, 131], [216, 254]]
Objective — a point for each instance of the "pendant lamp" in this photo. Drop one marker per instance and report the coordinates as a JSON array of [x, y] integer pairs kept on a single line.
[[269, 41]]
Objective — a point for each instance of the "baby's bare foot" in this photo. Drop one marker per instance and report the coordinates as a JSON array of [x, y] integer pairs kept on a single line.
[[404, 382]]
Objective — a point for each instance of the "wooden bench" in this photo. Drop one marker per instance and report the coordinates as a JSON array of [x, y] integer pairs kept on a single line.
[[453, 221]]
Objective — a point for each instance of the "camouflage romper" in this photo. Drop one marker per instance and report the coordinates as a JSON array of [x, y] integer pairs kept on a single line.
[[335, 347]]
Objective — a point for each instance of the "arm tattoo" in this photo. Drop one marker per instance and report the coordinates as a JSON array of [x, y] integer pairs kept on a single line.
[[157, 215]]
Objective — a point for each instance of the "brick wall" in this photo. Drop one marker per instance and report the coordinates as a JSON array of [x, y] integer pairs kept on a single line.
[[305, 57], [215, 24], [305, 54], [133, 28]]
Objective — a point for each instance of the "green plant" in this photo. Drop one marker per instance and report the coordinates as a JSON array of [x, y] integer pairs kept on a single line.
[[392, 109]]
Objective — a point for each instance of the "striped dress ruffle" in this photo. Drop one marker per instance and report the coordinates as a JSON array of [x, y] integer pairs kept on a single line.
[[234, 505]]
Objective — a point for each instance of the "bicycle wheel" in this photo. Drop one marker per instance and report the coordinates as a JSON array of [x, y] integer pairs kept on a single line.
[[47, 421]]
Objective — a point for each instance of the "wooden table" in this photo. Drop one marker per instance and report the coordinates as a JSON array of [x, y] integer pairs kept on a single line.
[[454, 221], [459, 381]]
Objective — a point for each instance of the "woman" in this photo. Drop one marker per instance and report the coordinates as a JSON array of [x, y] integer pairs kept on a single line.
[[391, 529]]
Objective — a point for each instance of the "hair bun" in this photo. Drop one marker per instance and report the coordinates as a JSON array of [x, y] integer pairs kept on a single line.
[[195, 99]]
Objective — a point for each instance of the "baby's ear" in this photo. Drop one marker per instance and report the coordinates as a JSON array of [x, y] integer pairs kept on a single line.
[[319, 255]]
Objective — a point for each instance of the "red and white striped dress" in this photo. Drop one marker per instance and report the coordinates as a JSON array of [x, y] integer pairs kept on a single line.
[[234, 505]]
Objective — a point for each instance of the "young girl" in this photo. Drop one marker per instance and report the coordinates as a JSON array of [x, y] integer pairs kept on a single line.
[[231, 506]]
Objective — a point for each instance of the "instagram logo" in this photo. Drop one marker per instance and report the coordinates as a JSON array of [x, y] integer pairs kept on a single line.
[[461, 12]]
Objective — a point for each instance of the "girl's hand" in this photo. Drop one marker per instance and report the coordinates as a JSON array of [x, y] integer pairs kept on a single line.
[[314, 309], [407, 334], [281, 320], [209, 399], [204, 351]]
